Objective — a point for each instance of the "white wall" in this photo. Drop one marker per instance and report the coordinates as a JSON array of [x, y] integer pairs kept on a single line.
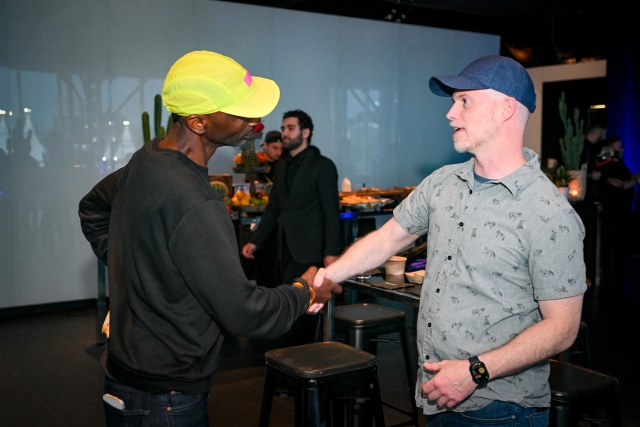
[[85, 67], [555, 73]]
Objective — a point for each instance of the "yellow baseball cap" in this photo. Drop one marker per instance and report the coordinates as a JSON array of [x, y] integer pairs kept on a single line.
[[203, 82]]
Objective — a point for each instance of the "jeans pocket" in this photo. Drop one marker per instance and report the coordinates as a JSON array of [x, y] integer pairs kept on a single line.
[[188, 410], [539, 419], [125, 418]]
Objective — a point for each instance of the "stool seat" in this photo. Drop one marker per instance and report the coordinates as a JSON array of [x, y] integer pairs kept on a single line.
[[364, 315], [576, 390], [319, 360], [321, 375]]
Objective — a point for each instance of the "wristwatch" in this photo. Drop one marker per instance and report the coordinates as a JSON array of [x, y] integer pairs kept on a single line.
[[479, 372], [299, 282]]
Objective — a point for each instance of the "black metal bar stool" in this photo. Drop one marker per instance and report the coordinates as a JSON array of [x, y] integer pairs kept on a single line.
[[319, 374], [362, 324], [576, 391], [580, 347]]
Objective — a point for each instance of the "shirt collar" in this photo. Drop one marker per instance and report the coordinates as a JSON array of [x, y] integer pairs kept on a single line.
[[516, 181]]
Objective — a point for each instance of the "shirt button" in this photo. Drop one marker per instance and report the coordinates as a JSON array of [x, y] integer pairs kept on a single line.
[[427, 357], [449, 257], [470, 191], [438, 291], [461, 223], [429, 324]]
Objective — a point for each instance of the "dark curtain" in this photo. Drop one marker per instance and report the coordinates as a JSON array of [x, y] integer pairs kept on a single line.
[[623, 72]]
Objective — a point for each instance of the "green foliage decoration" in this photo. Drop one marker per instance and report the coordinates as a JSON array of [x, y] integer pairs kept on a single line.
[[573, 141], [160, 131], [221, 188], [146, 133]]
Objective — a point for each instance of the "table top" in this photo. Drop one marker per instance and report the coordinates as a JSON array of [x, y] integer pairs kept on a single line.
[[393, 287]]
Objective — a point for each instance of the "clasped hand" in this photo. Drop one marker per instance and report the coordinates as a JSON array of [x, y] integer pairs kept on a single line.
[[323, 288], [451, 383]]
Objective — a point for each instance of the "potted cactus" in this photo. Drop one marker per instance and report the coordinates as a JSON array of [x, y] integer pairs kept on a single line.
[[157, 119], [571, 145]]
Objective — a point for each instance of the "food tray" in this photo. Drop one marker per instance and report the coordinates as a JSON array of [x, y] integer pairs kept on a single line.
[[258, 169], [249, 208], [416, 277], [372, 204]]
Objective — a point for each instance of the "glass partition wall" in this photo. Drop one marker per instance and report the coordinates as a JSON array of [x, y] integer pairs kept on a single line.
[[75, 77]]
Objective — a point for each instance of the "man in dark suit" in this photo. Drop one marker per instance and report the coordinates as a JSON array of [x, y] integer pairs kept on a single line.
[[304, 207]]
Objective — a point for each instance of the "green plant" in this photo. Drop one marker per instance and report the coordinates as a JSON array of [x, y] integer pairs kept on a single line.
[[562, 177], [160, 131], [221, 188], [573, 141]]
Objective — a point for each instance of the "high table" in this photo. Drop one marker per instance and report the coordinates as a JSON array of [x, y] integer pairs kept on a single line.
[[378, 286]]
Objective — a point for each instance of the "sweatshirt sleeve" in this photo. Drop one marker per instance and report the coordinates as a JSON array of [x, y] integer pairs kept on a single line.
[[204, 248], [95, 213]]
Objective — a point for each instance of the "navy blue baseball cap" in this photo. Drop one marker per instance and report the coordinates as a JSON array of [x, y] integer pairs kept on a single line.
[[490, 72]]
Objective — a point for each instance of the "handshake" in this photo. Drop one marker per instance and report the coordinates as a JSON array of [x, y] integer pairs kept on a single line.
[[320, 288]]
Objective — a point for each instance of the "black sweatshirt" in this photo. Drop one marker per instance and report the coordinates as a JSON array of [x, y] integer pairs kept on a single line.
[[176, 285]]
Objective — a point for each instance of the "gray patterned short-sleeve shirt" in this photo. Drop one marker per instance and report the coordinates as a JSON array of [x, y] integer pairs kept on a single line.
[[492, 254]]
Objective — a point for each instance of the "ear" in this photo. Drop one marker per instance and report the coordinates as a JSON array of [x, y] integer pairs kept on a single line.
[[509, 107], [195, 123], [306, 133]]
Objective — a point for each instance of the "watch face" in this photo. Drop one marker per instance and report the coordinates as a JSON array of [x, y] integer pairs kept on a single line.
[[479, 373]]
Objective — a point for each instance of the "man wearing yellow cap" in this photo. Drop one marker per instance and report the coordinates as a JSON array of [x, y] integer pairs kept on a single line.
[[175, 280]]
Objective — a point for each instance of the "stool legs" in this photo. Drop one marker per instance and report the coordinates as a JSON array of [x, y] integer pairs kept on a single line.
[[404, 339], [315, 406], [360, 338], [267, 400], [311, 407]]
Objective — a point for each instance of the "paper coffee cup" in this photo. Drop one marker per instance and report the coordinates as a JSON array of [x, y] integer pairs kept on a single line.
[[395, 265]]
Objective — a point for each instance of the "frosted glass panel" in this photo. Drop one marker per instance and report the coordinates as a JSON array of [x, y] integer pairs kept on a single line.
[[75, 77]]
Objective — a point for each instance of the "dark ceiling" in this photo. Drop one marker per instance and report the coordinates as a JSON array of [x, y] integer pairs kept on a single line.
[[533, 32]]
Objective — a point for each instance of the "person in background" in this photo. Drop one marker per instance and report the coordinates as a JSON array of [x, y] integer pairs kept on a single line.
[[592, 145], [592, 194], [266, 259], [617, 206], [272, 147], [304, 210], [175, 280], [505, 275]]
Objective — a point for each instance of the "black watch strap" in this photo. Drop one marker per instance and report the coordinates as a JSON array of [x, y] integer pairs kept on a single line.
[[479, 372]]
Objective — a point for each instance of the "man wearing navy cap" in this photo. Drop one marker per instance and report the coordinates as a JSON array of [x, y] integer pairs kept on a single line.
[[505, 276]]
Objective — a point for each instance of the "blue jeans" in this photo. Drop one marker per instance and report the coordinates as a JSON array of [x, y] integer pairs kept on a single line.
[[494, 414], [172, 409]]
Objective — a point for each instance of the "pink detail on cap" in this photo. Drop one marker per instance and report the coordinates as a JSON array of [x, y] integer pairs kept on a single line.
[[248, 79]]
